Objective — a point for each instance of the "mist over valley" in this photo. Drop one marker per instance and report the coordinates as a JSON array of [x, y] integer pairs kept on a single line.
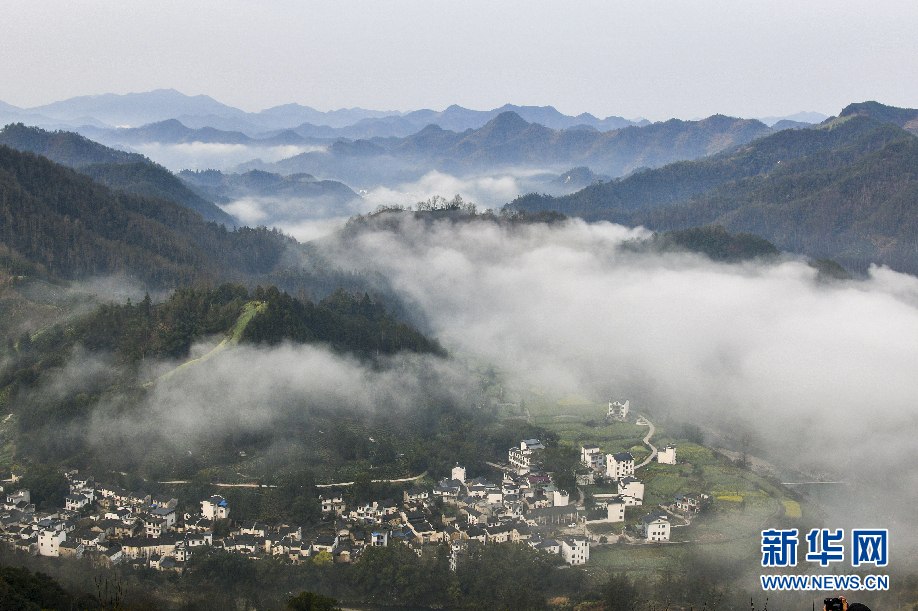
[[281, 315]]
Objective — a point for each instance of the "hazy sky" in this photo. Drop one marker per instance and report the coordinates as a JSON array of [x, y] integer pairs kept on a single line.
[[656, 58]]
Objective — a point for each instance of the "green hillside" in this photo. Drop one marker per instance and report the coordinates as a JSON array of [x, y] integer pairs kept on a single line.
[[154, 181], [846, 190], [75, 228], [66, 148], [129, 337], [128, 172]]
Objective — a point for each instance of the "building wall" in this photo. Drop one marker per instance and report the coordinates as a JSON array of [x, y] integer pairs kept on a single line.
[[49, 542], [667, 456], [575, 552]]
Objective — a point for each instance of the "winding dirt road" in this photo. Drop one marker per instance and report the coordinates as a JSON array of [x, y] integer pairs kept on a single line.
[[646, 442]]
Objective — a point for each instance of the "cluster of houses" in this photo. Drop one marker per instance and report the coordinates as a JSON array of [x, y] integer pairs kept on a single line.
[[522, 508], [125, 527], [109, 525], [619, 468], [146, 530]]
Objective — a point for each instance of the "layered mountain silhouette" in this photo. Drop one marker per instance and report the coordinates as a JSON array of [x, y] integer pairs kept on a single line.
[[510, 142], [224, 188], [138, 109], [847, 189], [173, 131]]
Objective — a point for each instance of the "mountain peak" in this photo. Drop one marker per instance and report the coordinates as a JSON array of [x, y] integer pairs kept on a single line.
[[881, 112], [508, 120]]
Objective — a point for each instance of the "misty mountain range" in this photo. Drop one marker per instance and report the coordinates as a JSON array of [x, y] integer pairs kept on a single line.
[[841, 190], [847, 190], [508, 142], [138, 109], [369, 149]]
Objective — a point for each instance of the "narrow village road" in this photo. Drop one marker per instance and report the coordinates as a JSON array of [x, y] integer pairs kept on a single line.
[[506, 468], [185, 481], [375, 481], [646, 442]]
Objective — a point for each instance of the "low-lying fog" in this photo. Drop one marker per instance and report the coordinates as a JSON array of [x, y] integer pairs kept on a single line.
[[215, 156], [824, 375], [309, 219]]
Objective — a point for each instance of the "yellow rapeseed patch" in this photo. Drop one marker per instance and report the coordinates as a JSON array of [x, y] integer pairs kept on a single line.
[[792, 509]]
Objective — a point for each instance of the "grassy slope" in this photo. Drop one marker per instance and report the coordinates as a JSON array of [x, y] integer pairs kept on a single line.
[[248, 313]]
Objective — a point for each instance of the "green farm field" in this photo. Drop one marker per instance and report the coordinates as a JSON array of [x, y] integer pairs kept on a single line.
[[742, 502]]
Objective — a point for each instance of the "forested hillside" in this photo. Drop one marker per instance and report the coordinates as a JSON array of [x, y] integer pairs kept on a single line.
[[125, 337], [155, 181], [66, 148], [713, 241], [75, 228], [128, 172], [903, 117], [225, 188], [847, 190]]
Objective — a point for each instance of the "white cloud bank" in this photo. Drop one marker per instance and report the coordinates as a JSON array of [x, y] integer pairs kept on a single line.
[[824, 373]]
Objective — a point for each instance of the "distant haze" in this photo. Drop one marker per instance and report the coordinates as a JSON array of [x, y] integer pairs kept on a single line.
[[655, 60]]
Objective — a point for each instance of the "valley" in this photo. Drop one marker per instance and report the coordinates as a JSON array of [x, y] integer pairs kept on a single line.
[[169, 350]]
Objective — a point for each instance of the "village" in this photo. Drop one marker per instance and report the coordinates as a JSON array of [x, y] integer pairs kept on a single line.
[[107, 525]]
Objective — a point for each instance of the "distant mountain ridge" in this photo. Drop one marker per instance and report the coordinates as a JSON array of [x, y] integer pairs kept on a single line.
[[284, 199], [906, 118], [847, 190], [811, 118], [254, 183], [138, 109], [135, 108], [509, 141], [173, 131]]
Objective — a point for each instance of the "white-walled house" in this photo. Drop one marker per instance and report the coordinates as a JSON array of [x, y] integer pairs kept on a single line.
[[379, 538], [655, 526], [559, 498], [215, 508], [521, 457], [167, 514], [619, 465], [689, 502], [615, 507], [546, 545], [618, 410], [458, 473], [667, 456], [21, 500], [632, 489], [591, 456], [333, 503], [575, 551], [75, 502], [49, 542]]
